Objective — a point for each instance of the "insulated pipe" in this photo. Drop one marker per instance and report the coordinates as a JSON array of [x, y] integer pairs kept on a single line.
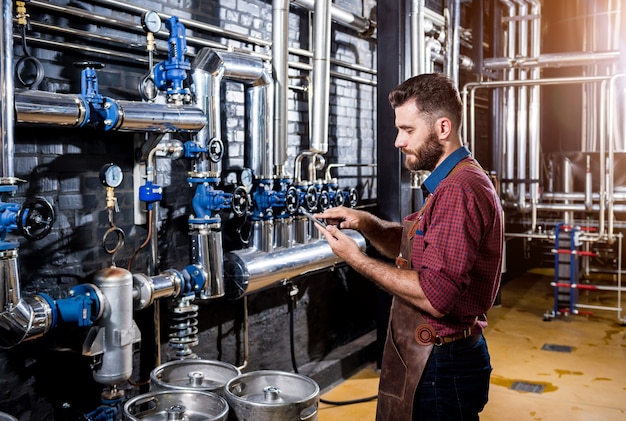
[[209, 69], [70, 110], [360, 24], [7, 94], [280, 66], [20, 319], [251, 270], [320, 80]]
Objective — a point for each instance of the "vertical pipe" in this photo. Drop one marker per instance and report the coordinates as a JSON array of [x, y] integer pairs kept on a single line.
[[321, 76], [453, 40], [522, 107], [534, 110], [568, 187], [259, 123], [418, 52], [280, 38], [509, 102], [7, 113]]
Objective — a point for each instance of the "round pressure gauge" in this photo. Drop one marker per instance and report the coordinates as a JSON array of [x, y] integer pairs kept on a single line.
[[247, 178], [151, 22], [111, 175]]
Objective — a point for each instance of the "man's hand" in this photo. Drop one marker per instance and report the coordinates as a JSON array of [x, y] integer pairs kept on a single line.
[[346, 218], [342, 245]]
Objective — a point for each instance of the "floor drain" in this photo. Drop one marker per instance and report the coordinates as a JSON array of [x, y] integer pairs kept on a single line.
[[557, 348], [527, 387]]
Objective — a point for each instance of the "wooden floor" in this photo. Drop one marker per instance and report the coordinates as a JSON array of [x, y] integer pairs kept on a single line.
[[569, 368]]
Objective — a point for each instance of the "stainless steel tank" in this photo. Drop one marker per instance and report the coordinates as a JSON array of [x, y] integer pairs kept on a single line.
[[268, 395], [202, 375], [177, 405]]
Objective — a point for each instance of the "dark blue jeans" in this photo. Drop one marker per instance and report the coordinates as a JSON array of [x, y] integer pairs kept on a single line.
[[455, 383]]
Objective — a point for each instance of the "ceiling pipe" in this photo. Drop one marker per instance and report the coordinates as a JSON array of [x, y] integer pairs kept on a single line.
[[360, 24], [320, 80]]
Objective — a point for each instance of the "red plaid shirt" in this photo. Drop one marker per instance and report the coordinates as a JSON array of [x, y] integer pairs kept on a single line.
[[457, 248]]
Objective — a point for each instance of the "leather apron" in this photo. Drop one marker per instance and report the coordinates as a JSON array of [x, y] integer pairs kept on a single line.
[[407, 348]]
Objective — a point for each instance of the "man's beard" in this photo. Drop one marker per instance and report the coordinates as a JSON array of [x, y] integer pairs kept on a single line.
[[427, 156]]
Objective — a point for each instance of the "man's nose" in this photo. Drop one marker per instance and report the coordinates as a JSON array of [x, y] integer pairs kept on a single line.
[[399, 142]]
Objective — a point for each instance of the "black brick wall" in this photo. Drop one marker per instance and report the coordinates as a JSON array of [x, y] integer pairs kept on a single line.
[[48, 378]]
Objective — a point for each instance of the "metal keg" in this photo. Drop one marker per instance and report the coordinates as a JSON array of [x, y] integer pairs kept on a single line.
[[268, 395], [202, 375], [176, 405], [6, 417]]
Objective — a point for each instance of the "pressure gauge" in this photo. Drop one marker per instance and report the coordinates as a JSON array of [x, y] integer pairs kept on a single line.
[[111, 175], [246, 177], [151, 22]]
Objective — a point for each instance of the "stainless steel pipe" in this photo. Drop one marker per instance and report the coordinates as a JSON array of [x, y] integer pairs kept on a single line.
[[250, 270], [70, 110]]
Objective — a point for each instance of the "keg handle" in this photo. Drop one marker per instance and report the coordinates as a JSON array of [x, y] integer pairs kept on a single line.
[[309, 413]]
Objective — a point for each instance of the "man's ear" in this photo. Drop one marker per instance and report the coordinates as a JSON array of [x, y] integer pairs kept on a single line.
[[443, 127]]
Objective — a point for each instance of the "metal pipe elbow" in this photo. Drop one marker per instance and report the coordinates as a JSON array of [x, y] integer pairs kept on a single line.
[[30, 318]]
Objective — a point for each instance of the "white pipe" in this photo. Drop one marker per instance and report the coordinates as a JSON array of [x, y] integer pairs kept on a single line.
[[320, 77]]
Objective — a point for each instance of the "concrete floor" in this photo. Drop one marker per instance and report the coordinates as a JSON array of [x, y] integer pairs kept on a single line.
[[530, 382]]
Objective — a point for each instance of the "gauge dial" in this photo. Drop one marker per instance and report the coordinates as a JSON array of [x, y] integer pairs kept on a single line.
[[247, 177], [151, 22], [111, 175]]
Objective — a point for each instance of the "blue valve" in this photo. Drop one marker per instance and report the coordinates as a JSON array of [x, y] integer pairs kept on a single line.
[[170, 74], [195, 277], [8, 223], [101, 111], [264, 199], [150, 193], [192, 149], [82, 307], [207, 201]]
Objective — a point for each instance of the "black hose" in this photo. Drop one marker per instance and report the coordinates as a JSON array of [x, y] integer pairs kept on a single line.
[[292, 298]]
